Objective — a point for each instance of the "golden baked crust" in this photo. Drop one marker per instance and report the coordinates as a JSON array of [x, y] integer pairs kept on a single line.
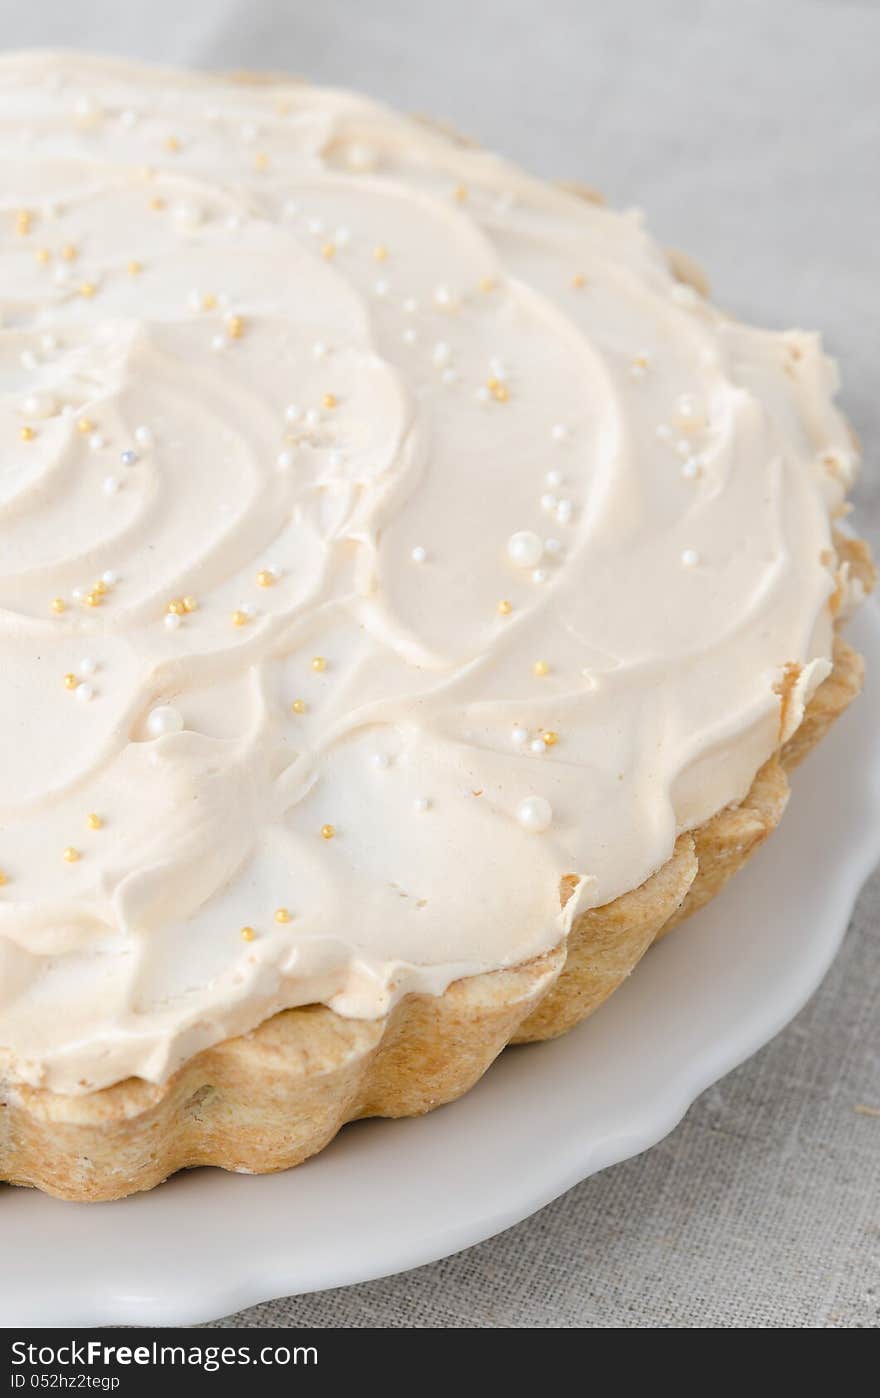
[[269, 1099]]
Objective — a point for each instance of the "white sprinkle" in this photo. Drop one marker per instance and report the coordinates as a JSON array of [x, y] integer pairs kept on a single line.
[[319, 349], [111, 485], [219, 342], [293, 412], [187, 214], [539, 575], [449, 376], [380, 760], [559, 432], [524, 548], [689, 414], [553, 547], [444, 298], [689, 558], [233, 222], [61, 274], [284, 460], [482, 394], [538, 746], [88, 665], [663, 432], [419, 554], [290, 208], [409, 336], [110, 577], [684, 448], [535, 814], [342, 236], [381, 288], [84, 693], [38, 405], [172, 621], [441, 353], [194, 300], [564, 511], [548, 503], [143, 436], [555, 478], [315, 225], [519, 735], [410, 305], [77, 594], [127, 117], [691, 468], [249, 132], [97, 441], [128, 457], [421, 804], [312, 417]]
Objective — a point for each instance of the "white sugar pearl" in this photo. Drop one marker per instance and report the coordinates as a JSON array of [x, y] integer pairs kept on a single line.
[[442, 353], [525, 548], [97, 441], [128, 118], [554, 478], [689, 413], [443, 296], [548, 503], [419, 554], [535, 813], [380, 760], [172, 621], [342, 236], [315, 225], [143, 436], [194, 300], [293, 412], [409, 336], [128, 457], [539, 575], [482, 394], [421, 804], [381, 288], [553, 547], [164, 719], [519, 735], [111, 485], [312, 418], [689, 558], [249, 131], [559, 432], [538, 746], [88, 666], [450, 376], [219, 342], [564, 511], [110, 577], [77, 594], [187, 214], [84, 693], [284, 460], [691, 468], [38, 405], [319, 349]]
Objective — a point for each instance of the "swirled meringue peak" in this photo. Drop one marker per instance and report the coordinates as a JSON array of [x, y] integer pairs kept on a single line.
[[386, 535]]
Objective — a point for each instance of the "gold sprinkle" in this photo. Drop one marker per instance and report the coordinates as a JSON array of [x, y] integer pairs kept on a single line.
[[86, 288], [327, 832], [176, 606], [505, 607], [328, 251], [319, 662], [68, 252], [261, 160], [23, 221], [240, 618], [578, 280], [4, 878], [299, 706], [135, 268], [487, 284], [84, 424], [70, 681], [282, 915], [190, 604], [156, 203], [172, 144], [498, 390], [93, 821], [27, 434], [94, 599], [380, 252], [70, 855], [265, 578], [248, 934], [58, 605], [100, 588], [329, 400], [540, 668], [550, 739], [42, 255], [209, 302], [460, 193], [235, 327]]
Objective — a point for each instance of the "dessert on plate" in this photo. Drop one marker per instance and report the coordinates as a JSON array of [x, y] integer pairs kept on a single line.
[[413, 596]]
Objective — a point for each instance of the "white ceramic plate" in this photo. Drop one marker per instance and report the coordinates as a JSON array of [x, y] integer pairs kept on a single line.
[[391, 1195]]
